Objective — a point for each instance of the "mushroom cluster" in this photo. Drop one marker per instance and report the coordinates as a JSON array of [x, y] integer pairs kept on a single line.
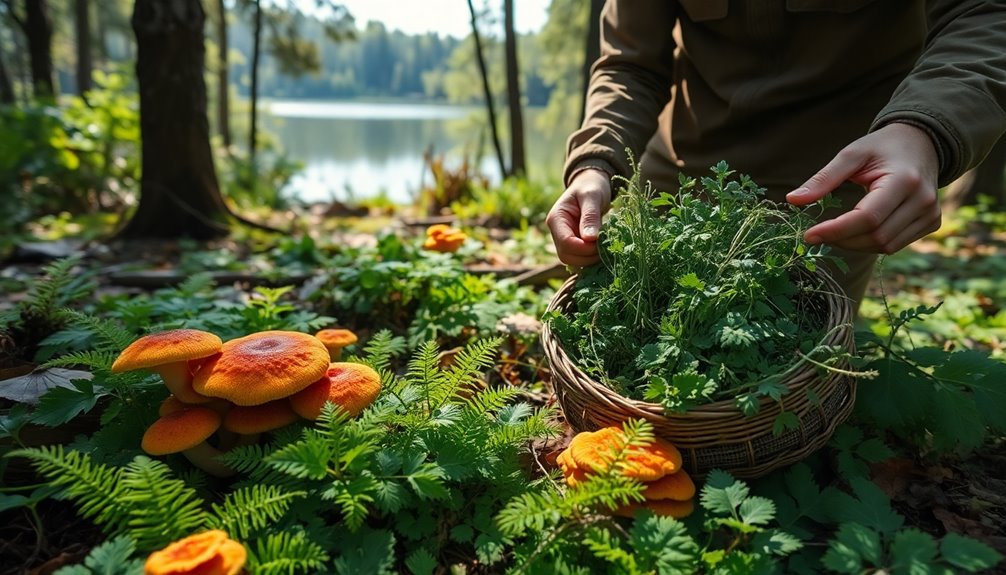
[[207, 553], [443, 238], [225, 394], [668, 489]]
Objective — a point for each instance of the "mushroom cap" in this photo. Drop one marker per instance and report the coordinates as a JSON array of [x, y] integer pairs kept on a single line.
[[336, 337], [352, 386], [207, 552], [677, 486], [662, 507], [180, 430], [260, 418], [171, 404], [166, 347], [591, 450], [262, 367]]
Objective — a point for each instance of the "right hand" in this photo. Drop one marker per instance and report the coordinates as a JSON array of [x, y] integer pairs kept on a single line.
[[575, 219]]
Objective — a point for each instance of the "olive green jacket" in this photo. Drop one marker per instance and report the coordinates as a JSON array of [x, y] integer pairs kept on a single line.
[[777, 87]]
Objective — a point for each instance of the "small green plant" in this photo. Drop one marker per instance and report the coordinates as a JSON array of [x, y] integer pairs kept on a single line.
[[696, 297]]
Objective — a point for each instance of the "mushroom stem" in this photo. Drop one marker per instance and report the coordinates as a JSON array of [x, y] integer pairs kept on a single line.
[[204, 456], [178, 380]]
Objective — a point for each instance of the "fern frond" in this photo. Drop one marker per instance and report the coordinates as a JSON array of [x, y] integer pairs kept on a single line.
[[112, 336], [95, 488], [308, 458], [58, 287], [195, 283], [516, 432], [91, 359], [468, 365], [161, 507], [354, 497], [381, 348], [534, 511], [249, 509], [492, 399], [286, 553], [248, 459], [424, 369]]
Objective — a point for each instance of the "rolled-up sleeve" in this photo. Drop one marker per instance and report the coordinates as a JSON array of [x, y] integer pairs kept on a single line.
[[629, 85], [957, 89]]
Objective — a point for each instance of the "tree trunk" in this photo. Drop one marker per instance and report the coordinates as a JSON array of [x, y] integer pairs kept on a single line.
[[593, 49], [490, 107], [223, 77], [38, 30], [517, 157], [256, 54], [179, 193], [6, 85], [84, 62]]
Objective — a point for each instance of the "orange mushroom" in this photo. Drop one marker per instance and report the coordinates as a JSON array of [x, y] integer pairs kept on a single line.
[[591, 450], [254, 419], [263, 367], [186, 431], [169, 353], [663, 507], [335, 340], [206, 553], [351, 386], [443, 238], [677, 486]]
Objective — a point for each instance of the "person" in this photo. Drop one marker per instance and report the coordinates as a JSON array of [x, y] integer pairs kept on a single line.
[[878, 102]]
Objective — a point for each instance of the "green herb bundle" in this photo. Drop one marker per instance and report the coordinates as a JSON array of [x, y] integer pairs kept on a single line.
[[697, 297]]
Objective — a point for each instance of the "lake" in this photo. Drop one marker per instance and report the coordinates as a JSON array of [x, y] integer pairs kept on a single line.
[[355, 150]]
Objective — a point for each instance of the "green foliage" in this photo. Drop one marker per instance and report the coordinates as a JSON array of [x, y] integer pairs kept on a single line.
[[698, 296], [511, 204], [426, 295], [942, 399], [113, 557]]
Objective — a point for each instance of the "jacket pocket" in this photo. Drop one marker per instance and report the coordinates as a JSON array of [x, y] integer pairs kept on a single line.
[[843, 6], [703, 10]]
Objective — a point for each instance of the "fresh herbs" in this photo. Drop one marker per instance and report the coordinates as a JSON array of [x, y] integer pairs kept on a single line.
[[699, 294]]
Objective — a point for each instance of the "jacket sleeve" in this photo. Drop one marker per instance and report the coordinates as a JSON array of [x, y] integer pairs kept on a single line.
[[957, 89], [629, 85]]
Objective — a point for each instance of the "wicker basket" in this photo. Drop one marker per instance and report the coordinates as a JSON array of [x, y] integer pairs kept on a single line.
[[717, 435]]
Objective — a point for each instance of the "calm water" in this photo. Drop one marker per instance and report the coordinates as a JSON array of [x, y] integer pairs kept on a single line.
[[359, 150]]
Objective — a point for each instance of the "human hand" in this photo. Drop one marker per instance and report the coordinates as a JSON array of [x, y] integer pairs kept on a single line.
[[899, 168], [575, 218]]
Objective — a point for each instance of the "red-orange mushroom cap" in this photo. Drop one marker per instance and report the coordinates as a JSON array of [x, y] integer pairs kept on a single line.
[[351, 386], [263, 367], [251, 419], [168, 353], [335, 340], [180, 430]]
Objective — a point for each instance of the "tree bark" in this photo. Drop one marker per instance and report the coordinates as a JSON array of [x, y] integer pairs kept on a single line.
[[490, 107], [84, 61], [179, 193], [256, 54], [223, 77], [592, 50], [38, 31], [6, 85], [518, 162]]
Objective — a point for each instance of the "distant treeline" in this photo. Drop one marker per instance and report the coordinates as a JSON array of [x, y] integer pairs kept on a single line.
[[379, 63]]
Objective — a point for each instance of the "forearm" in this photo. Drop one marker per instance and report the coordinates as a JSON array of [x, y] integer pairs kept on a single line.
[[957, 90], [630, 85]]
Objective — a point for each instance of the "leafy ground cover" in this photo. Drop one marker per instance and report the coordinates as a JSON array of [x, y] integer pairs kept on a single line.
[[453, 468]]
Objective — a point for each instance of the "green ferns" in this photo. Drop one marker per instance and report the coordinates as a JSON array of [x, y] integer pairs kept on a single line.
[[412, 482]]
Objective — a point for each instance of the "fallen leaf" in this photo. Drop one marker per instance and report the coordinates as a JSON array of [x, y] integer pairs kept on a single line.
[[29, 388]]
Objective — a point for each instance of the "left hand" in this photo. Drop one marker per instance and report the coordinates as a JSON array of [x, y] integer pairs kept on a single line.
[[899, 167]]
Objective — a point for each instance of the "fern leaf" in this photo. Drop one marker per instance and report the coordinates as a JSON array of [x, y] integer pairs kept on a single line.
[[161, 507], [111, 336], [424, 369], [91, 359], [353, 496], [381, 348], [95, 488], [286, 553], [469, 363], [195, 283], [306, 459], [249, 509]]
